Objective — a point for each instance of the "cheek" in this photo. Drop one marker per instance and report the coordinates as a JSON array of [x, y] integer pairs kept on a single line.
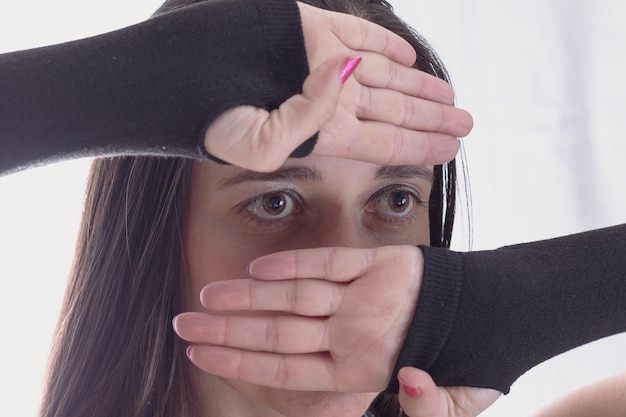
[[423, 236], [218, 252], [210, 259], [415, 232], [422, 230]]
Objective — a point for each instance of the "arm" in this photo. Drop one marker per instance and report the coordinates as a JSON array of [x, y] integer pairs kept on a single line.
[[485, 318], [230, 78], [151, 88], [482, 319], [606, 398]]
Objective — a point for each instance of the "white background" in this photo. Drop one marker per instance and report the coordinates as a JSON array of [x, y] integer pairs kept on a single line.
[[544, 80]]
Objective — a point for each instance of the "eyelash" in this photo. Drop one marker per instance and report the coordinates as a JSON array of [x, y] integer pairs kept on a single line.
[[399, 220], [271, 223], [277, 223]]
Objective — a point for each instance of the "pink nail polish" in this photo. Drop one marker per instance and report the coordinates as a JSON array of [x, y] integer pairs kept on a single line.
[[412, 392], [349, 68]]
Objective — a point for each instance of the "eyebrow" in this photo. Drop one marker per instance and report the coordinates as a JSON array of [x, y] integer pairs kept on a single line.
[[282, 174], [405, 171], [313, 174]]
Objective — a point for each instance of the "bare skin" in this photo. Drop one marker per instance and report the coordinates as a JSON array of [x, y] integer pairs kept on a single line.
[[606, 398]]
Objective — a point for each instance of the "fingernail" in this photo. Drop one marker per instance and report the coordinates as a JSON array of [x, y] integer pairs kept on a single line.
[[349, 68], [412, 392], [188, 351]]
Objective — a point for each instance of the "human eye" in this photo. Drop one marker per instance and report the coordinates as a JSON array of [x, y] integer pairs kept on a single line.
[[394, 203], [275, 206]]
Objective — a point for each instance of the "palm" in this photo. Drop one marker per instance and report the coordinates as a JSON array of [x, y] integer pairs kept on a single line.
[[370, 325]]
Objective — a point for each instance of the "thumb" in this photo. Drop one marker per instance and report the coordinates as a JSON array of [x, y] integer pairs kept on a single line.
[[419, 396], [259, 140]]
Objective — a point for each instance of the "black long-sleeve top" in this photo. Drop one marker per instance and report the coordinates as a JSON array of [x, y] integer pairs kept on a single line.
[[152, 88], [482, 319]]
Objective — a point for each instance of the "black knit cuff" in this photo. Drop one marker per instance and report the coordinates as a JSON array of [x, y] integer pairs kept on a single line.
[[283, 38], [436, 312]]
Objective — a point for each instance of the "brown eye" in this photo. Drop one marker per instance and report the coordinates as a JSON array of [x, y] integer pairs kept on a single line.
[[399, 202], [272, 206], [393, 203]]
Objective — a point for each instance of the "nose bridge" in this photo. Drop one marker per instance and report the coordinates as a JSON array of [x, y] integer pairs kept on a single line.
[[342, 227]]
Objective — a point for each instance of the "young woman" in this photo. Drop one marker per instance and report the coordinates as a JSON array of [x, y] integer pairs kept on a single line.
[[47, 115], [156, 230], [26, 149]]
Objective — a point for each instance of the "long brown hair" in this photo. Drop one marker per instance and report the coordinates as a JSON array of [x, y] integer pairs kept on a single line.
[[115, 353]]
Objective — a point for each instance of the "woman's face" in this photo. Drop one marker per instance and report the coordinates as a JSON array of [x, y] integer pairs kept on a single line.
[[235, 216]]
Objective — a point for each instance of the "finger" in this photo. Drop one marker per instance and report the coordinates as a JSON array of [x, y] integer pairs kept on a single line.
[[385, 144], [334, 264], [337, 264], [304, 372], [306, 297], [381, 72], [419, 396], [254, 139], [311, 372], [280, 334], [362, 35], [413, 113]]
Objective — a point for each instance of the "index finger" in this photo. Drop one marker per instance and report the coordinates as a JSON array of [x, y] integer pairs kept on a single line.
[[335, 264]]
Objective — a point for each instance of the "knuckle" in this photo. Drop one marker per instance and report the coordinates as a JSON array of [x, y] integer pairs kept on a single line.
[[271, 336], [324, 337], [364, 33], [365, 103], [396, 147], [282, 373], [393, 74], [336, 299], [409, 111], [441, 118], [239, 367], [224, 337], [292, 296], [330, 261], [334, 25]]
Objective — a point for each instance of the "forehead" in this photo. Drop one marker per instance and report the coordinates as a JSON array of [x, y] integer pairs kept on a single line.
[[311, 169]]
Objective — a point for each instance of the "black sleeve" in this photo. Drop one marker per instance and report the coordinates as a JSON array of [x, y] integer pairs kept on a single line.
[[485, 318], [152, 88]]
